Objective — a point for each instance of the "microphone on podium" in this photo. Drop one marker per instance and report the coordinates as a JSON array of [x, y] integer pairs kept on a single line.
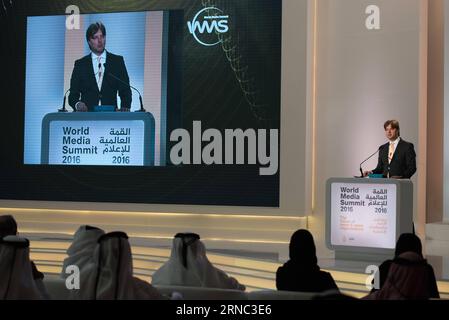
[[140, 96], [360, 167], [63, 109]]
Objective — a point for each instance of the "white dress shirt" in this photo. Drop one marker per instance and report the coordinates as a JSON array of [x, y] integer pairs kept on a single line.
[[98, 64]]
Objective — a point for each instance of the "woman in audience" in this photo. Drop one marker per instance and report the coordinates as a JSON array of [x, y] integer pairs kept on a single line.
[[109, 276], [409, 242], [408, 279], [301, 272], [189, 266], [16, 274], [8, 227], [81, 250]]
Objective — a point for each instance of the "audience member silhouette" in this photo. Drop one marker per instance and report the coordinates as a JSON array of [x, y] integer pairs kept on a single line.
[[408, 279], [109, 276], [16, 274], [81, 251], [301, 272], [409, 242], [189, 266], [8, 227]]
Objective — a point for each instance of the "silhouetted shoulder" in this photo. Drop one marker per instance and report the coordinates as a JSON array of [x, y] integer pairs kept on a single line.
[[433, 287], [328, 280], [281, 278]]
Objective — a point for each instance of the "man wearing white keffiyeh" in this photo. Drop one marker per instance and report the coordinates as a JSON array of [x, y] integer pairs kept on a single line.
[[16, 275], [108, 275], [189, 266]]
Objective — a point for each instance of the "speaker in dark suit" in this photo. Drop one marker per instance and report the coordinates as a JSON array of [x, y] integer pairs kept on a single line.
[[84, 87], [403, 163], [91, 83], [397, 158]]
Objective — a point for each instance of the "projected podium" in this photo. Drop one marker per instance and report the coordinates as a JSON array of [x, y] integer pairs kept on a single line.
[[365, 217], [98, 138]]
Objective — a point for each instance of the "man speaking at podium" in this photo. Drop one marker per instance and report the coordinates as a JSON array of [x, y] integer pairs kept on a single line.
[[397, 158], [90, 84]]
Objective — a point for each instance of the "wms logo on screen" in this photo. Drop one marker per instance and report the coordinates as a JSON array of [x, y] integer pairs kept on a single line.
[[207, 24]]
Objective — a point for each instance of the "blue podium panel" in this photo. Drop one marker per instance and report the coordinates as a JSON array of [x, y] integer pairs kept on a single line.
[[104, 139]]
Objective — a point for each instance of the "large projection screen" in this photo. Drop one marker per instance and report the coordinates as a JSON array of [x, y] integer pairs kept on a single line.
[[294, 114]]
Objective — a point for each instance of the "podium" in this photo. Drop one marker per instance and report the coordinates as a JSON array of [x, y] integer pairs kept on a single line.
[[365, 217], [98, 138]]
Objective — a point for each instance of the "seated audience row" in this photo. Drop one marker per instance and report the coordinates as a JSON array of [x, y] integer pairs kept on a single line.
[[104, 261]]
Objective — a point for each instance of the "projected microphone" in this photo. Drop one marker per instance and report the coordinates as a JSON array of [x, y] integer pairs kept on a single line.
[[361, 171], [140, 96], [63, 109]]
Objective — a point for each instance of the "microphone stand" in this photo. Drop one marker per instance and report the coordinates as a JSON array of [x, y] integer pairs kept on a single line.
[[140, 96], [361, 170], [63, 109]]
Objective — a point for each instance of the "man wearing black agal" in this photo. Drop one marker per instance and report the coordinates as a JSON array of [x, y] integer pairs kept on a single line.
[[91, 84], [397, 158]]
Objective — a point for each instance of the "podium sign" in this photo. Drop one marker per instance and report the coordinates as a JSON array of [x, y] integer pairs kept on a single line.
[[364, 216], [367, 215], [106, 139]]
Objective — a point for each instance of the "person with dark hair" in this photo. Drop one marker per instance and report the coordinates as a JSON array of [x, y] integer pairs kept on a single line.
[[409, 242], [8, 226], [397, 158], [91, 83], [302, 273], [189, 266]]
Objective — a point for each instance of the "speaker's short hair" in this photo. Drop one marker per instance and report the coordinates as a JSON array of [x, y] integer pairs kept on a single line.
[[93, 29], [394, 124]]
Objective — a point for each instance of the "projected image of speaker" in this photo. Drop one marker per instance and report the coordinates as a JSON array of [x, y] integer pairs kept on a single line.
[[118, 71]]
